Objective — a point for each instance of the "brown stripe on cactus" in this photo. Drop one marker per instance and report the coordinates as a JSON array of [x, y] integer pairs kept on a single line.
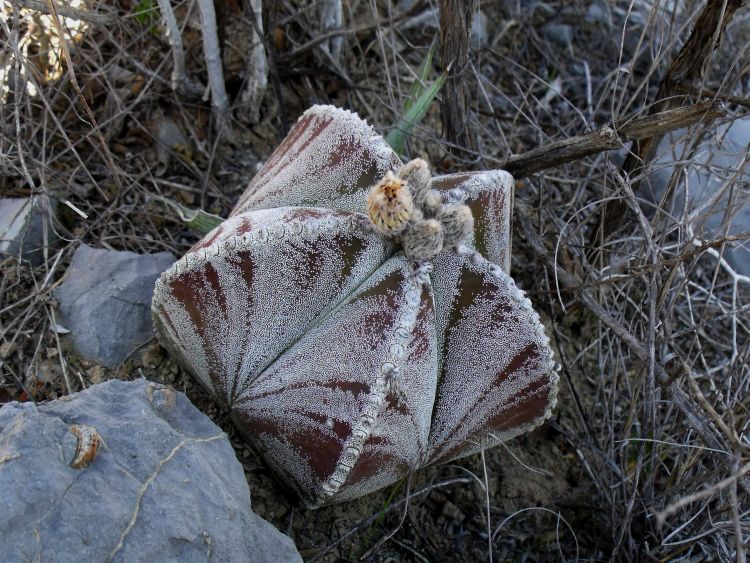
[[242, 340], [367, 475], [313, 436], [299, 173], [199, 294], [511, 413], [347, 387], [491, 344], [307, 125], [351, 357], [370, 317], [489, 196], [211, 238]]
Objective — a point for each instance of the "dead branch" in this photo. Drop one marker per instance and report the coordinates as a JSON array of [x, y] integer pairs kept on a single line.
[[357, 30], [455, 26], [713, 94], [688, 68], [705, 493], [179, 80], [74, 81], [668, 372], [608, 138], [257, 63], [212, 55], [332, 17]]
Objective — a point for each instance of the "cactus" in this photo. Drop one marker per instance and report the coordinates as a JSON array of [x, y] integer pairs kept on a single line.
[[353, 342]]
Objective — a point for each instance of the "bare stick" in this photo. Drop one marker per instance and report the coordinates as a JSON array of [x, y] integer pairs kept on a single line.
[[362, 29], [705, 493], [700, 398], [257, 64], [608, 138], [66, 11], [212, 55], [332, 17], [74, 81], [181, 83], [175, 42], [734, 504], [688, 67], [557, 153], [713, 94], [667, 372]]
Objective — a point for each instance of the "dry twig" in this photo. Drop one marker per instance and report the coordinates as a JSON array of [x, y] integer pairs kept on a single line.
[[455, 26], [688, 67]]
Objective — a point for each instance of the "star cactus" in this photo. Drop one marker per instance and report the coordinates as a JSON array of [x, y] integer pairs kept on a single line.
[[347, 354]]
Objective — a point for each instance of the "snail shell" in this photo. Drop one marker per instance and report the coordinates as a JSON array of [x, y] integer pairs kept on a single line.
[[89, 441]]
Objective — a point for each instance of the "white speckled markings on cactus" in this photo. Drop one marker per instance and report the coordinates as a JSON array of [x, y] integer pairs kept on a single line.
[[339, 371], [331, 158], [495, 363], [229, 308], [346, 362]]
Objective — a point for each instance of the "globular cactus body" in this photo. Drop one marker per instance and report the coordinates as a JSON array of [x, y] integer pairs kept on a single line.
[[347, 358]]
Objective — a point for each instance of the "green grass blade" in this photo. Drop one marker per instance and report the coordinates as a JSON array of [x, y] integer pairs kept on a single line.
[[422, 74], [397, 136]]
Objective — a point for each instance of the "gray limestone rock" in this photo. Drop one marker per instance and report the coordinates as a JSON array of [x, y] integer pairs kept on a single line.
[[105, 301], [480, 35], [22, 229], [597, 12], [559, 33], [713, 189], [163, 485]]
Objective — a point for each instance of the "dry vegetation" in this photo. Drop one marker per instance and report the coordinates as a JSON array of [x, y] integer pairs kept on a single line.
[[647, 457]]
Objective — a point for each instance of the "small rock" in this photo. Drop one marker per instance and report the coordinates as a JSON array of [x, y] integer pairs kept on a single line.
[[452, 512], [105, 302], [702, 189], [597, 13], [22, 229], [479, 34], [168, 139], [559, 33], [162, 485]]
